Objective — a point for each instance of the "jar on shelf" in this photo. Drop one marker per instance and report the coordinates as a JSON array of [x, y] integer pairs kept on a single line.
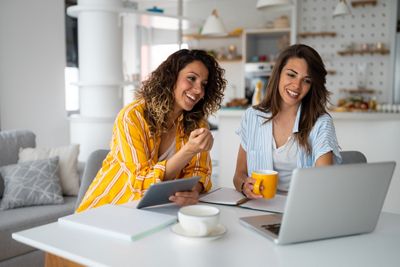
[[358, 100]]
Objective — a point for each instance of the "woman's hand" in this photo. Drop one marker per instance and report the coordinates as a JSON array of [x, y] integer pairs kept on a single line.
[[188, 197], [185, 198], [200, 140], [248, 186]]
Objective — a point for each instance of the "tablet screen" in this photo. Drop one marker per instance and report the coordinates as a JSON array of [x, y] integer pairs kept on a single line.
[[159, 193]]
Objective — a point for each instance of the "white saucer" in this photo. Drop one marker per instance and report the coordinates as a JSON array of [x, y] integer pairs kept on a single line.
[[219, 231]]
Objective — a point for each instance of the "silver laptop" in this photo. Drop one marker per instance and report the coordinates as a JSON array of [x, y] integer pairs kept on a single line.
[[328, 202]]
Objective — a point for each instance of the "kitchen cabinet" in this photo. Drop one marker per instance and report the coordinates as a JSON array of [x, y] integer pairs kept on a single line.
[[225, 48], [252, 46], [232, 62], [264, 44], [261, 47]]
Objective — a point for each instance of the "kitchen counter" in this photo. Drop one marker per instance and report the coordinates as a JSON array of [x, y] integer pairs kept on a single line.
[[238, 112], [373, 133]]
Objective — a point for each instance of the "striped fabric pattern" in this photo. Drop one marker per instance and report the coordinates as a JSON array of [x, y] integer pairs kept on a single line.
[[256, 139], [132, 164]]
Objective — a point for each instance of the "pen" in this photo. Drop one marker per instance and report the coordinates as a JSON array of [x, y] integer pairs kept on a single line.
[[242, 201]]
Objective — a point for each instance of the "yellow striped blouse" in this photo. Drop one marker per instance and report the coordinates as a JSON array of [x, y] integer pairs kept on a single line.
[[132, 164]]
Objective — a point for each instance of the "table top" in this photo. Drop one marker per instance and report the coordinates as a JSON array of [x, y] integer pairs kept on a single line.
[[240, 246]]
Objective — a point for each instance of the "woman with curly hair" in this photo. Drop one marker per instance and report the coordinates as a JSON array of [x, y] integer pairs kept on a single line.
[[163, 134], [291, 127]]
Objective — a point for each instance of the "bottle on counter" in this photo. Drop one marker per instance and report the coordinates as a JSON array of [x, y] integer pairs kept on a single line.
[[372, 104], [257, 93]]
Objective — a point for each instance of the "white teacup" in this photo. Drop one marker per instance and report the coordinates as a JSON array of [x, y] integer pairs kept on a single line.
[[198, 220]]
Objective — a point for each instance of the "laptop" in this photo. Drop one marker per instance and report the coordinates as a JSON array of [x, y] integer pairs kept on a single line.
[[327, 202]]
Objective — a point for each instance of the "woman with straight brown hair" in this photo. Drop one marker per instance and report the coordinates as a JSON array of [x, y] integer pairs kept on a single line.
[[291, 127]]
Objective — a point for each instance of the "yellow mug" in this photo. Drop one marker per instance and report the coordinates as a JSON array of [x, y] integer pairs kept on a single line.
[[268, 179]]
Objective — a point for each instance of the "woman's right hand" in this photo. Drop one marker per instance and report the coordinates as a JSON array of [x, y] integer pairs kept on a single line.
[[200, 140], [248, 186]]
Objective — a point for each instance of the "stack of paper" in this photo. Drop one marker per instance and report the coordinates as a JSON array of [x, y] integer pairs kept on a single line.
[[229, 196], [119, 222]]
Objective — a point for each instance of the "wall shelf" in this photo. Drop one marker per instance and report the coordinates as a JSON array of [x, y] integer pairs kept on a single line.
[[199, 36], [363, 3], [267, 31], [331, 72], [237, 59], [358, 91], [362, 52], [316, 34]]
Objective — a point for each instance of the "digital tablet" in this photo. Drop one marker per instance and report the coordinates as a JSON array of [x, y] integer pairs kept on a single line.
[[160, 192]]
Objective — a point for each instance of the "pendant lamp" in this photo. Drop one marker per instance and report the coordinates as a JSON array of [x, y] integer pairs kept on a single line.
[[270, 3], [341, 9], [214, 25]]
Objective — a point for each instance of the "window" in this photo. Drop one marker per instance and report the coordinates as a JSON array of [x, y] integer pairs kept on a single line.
[[71, 90]]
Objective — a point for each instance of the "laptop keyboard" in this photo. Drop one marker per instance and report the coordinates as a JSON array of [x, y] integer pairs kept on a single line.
[[274, 228]]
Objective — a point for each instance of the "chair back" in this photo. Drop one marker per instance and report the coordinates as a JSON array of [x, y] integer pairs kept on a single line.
[[92, 166], [349, 157]]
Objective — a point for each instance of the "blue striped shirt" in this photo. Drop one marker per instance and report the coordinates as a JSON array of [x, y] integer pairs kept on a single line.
[[256, 139]]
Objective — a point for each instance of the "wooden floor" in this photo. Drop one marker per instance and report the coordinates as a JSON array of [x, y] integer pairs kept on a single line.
[[55, 261]]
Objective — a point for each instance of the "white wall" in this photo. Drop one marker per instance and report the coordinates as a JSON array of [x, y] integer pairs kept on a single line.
[[378, 140], [32, 61]]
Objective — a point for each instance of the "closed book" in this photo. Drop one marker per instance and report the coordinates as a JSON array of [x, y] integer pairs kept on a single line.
[[119, 222]]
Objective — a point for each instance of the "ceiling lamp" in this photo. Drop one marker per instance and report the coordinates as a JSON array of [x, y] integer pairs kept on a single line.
[[269, 3], [341, 9], [214, 25]]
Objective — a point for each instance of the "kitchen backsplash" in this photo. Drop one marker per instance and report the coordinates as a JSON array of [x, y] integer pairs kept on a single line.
[[347, 51]]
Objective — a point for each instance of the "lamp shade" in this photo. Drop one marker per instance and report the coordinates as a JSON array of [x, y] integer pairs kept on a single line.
[[341, 9], [269, 3], [214, 25]]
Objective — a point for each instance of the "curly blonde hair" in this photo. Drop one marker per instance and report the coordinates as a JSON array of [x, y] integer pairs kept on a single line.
[[158, 91]]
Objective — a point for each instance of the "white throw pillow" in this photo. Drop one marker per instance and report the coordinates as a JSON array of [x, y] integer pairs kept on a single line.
[[68, 163]]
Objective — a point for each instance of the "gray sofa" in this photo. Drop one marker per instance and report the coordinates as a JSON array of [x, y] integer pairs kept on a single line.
[[13, 253]]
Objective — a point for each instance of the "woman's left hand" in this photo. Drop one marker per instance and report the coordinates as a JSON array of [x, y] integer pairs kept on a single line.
[[185, 198]]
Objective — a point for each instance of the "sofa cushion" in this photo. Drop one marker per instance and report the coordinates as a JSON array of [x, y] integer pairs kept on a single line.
[[15, 220], [68, 163], [10, 142], [31, 183]]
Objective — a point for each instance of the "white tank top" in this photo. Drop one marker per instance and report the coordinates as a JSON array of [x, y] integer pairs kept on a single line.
[[285, 161]]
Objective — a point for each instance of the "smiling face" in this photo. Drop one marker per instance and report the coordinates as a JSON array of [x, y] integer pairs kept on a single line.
[[190, 86], [294, 82]]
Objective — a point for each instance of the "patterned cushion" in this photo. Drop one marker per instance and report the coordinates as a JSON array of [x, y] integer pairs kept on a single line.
[[68, 164], [31, 183]]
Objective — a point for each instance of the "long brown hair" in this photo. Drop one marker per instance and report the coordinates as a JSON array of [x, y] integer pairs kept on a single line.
[[158, 91], [313, 105]]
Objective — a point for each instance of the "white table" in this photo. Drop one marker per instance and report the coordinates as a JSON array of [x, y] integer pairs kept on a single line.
[[240, 246]]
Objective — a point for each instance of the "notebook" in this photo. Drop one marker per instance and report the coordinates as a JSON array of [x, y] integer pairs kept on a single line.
[[328, 202], [119, 222], [231, 197]]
